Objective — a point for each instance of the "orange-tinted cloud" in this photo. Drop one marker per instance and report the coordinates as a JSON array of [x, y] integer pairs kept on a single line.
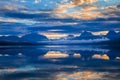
[[54, 35], [86, 12], [55, 54], [83, 75], [98, 56], [76, 55], [79, 2], [100, 33]]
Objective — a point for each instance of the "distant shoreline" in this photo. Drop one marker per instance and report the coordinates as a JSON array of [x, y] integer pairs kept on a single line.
[[110, 43]]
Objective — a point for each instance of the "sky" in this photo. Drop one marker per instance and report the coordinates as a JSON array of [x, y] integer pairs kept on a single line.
[[58, 18]]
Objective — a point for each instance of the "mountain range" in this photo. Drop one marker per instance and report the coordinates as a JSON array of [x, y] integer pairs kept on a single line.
[[36, 38], [86, 35], [30, 38]]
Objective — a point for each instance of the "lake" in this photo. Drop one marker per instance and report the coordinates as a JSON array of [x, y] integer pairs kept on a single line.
[[59, 62]]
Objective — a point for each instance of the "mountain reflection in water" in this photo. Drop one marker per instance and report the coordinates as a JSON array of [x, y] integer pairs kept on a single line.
[[59, 63]]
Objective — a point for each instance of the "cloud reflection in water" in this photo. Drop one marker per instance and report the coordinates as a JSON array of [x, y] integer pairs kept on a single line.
[[59, 63], [86, 75]]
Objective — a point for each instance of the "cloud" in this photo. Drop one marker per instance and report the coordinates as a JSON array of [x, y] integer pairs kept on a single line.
[[88, 75], [11, 7], [85, 15], [55, 54], [23, 1], [100, 33], [79, 2], [51, 35], [15, 20], [37, 1], [70, 17], [117, 58], [77, 55], [98, 56], [85, 10], [106, 0], [111, 11], [7, 20], [56, 23]]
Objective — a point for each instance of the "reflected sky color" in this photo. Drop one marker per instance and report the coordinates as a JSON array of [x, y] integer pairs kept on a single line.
[[59, 63], [98, 56], [87, 75]]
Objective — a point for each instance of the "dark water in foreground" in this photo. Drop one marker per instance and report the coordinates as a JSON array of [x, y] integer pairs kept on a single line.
[[59, 63]]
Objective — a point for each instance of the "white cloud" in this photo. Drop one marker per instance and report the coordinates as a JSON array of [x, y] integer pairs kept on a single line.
[[37, 1], [23, 1], [117, 58], [15, 20]]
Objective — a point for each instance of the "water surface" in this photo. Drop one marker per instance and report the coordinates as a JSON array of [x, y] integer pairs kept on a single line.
[[59, 63]]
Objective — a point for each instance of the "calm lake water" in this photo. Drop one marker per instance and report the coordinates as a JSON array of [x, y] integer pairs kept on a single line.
[[59, 63]]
